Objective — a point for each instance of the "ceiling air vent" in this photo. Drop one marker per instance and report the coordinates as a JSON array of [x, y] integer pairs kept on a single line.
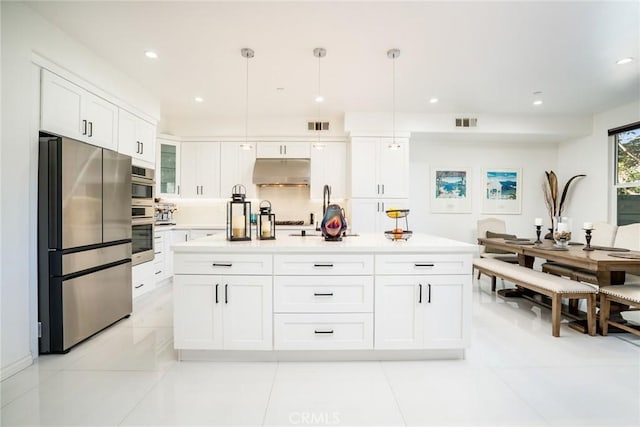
[[317, 126], [466, 122]]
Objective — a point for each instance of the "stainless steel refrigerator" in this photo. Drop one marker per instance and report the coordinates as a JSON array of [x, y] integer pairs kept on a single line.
[[84, 241]]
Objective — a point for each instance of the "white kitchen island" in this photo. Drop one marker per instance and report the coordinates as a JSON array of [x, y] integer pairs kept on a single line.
[[301, 298]]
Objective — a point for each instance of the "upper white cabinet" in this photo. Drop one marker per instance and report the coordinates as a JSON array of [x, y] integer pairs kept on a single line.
[[369, 215], [167, 168], [283, 150], [136, 137], [236, 167], [328, 166], [200, 169], [379, 168], [68, 110]]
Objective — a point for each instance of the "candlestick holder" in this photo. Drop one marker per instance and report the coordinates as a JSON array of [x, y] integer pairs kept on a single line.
[[587, 236], [538, 229]]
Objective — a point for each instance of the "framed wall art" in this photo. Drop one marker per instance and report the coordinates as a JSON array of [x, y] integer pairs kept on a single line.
[[450, 190], [501, 191]]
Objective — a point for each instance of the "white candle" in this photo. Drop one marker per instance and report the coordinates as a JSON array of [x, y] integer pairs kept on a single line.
[[538, 221], [265, 231], [562, 226], [587, 226], [237, 226]]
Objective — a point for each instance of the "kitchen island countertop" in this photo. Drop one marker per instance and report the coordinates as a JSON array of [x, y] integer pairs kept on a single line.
[[365, 242]]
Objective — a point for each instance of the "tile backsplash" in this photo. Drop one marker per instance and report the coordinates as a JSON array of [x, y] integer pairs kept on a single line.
[[287, 203]]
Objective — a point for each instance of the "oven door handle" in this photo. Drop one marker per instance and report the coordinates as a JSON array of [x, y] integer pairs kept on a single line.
[[142, 221]]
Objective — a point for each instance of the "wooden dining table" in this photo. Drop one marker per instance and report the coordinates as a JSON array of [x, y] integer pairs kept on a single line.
[[609, 266]]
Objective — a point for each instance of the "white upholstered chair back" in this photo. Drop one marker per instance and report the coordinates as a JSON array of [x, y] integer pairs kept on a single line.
[[628, 236], [603, 234], [490, 224]]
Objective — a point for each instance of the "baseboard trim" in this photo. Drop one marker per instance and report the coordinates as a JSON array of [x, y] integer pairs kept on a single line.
[[15, 367]]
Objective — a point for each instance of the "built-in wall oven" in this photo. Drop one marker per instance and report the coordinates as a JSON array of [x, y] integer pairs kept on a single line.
[[142, 214]]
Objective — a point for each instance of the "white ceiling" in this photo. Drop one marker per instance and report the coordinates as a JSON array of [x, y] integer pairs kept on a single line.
[[476, 57]]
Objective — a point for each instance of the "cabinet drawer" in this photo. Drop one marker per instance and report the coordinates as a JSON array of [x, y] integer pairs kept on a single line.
[[323, 294], [158, 269], [195, 263], [423, 264], [323, 331], [323, 264]]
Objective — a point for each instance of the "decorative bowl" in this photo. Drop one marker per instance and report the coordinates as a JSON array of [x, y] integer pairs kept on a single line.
[[398, 235], [397, 213]]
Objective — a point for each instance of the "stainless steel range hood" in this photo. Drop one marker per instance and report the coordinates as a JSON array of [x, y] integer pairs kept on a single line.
[[281, 172]]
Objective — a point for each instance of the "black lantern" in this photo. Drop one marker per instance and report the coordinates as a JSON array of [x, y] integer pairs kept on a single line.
[[266, 228], [238, 215]]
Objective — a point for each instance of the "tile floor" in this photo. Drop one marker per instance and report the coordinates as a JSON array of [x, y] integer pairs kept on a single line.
[[515, 374]]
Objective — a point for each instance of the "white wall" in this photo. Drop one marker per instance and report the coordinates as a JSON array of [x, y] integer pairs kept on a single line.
[[23, 33], [592, 199], [533, 159]]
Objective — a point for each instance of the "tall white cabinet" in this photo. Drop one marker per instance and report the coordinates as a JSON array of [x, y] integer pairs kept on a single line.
[[200, 169], [136, 138], [329, 166], [379, 180]]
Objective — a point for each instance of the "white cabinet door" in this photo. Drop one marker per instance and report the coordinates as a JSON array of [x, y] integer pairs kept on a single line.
[[445, 303], [425, 311], [364, 182], [102, 117], [328, 166], [369, 215], [136, 137], [393, 169], [196, 233], [379, 168], [197, 312], [236, 167], [143, 278], [200, 169], [247, 312], [398, 313], [68, 110], [278, 150], [179, 236], [60, 107], [167, 168]]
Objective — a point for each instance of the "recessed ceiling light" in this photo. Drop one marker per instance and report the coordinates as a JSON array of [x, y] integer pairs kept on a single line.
[[433, 100], [198, 99], [624, 61], [537, 102], [151, 54], [319, 98], [538, 92]]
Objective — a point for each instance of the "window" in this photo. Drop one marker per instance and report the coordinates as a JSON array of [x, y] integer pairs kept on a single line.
[[627, 172]]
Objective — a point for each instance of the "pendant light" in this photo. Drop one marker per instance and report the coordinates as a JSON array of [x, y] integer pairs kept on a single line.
[[393, 54], [247, 54], [319, 53]]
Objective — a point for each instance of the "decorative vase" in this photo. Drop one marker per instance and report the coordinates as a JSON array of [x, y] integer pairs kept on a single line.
[[562, 231]]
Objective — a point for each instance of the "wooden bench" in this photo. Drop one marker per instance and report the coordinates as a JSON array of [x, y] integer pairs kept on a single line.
[[552, 286], [628, 294]]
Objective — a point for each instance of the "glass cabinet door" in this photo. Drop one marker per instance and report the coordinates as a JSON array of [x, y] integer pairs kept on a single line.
[[168, 168]]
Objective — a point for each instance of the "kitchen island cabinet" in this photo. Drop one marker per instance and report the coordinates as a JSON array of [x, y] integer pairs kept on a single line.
[[364, 298]]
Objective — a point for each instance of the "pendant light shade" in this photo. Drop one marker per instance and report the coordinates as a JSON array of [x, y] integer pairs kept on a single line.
[[319, 53], [247, 54], [393, 54]]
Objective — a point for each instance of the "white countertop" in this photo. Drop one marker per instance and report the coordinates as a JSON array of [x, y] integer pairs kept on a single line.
[[366, 242], [222, 227]]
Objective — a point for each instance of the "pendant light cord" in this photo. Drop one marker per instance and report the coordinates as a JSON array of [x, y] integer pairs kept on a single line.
[[394, 102], [246, 105]]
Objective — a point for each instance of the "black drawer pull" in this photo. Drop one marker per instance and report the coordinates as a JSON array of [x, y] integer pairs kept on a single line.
[[423, 265], [429, 297], [139, 286], [217, 292], [323, 265], [330, 331], [226, 294], [319, 294], [420, 294], [218, 264], [158, 272]]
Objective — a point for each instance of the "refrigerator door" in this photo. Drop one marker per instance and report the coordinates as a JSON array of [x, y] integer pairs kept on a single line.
[[117, 196], [81, 194], [94, 301]]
